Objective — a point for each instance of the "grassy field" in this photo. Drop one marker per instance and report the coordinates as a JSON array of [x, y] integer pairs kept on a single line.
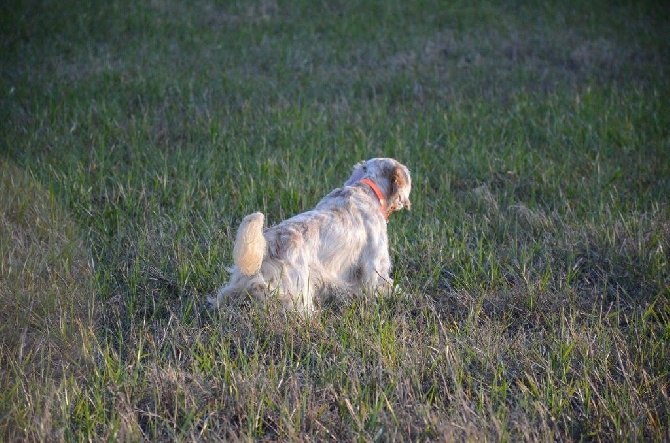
[[535, 262]]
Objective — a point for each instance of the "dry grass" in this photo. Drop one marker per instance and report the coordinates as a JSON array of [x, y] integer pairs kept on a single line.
[[47, 299]]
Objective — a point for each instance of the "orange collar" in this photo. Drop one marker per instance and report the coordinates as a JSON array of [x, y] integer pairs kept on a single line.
[[378, 193]]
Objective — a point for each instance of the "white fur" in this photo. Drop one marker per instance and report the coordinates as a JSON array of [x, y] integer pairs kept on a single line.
[[341, 245], [250, 244]]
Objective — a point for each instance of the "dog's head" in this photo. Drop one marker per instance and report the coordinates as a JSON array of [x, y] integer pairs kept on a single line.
[[391, 176]]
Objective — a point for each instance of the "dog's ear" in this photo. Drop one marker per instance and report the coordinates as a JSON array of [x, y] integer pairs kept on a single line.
[[401, 184]]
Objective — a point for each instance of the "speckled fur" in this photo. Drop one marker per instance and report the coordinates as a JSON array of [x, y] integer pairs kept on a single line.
[[339, 246]]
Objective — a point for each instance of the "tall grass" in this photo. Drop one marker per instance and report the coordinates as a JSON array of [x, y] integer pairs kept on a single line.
[[534, 264]]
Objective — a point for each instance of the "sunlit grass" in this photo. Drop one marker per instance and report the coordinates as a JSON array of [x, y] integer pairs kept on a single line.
[[48, 307]]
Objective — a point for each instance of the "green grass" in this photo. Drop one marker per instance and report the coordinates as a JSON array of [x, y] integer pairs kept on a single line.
[[534, 263]]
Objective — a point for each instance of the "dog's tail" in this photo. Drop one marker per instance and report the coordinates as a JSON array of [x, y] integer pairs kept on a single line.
[[250, 244]]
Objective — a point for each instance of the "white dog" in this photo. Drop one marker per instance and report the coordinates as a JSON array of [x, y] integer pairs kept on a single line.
[[339, 246]]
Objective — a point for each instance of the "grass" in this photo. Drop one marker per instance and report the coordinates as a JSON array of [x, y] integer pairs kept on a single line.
[[534, 263]]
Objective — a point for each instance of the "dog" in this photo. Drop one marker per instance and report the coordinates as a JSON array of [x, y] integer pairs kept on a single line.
[[340, 246]]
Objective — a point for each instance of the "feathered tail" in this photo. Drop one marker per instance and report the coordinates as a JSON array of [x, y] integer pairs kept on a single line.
[[250, 244]]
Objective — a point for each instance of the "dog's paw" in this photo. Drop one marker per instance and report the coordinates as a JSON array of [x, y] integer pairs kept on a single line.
[[213, 302], [399, 291]]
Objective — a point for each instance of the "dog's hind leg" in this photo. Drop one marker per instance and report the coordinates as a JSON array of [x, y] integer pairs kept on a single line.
[[295, 291], [224, 292]]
